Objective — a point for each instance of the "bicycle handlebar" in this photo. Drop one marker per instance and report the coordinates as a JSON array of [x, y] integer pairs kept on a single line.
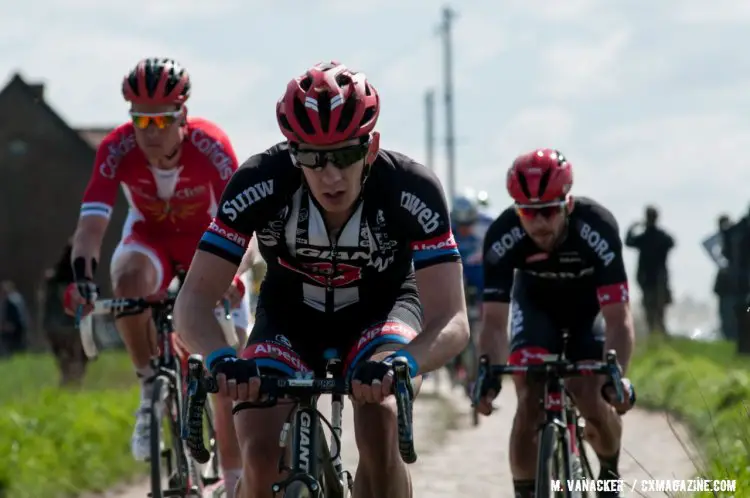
[[273, 387], [553, 366], [135, 306]]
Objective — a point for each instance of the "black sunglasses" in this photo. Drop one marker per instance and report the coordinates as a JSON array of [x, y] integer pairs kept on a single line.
[[317, 159]]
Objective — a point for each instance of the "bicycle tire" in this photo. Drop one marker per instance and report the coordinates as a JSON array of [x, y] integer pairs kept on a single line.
[[298, 489], [215, 464], [159, 394], [549, 462]]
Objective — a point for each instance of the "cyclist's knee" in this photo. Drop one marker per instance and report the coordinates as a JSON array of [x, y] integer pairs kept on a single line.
[[134, 275], [376, 431]]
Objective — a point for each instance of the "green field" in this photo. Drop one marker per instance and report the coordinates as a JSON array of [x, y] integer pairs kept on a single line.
[[59, 443], [708, 387]]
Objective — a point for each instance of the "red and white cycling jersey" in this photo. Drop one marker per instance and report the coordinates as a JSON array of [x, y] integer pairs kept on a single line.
[[164, 201], [169, 209]]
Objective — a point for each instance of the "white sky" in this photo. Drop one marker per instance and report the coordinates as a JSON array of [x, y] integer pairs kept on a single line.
[[643, 97]]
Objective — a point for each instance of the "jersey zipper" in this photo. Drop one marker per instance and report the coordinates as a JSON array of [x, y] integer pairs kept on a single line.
[[330, 289]]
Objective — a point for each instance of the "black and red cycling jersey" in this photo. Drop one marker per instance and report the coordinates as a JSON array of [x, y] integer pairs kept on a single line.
[[585, 272]]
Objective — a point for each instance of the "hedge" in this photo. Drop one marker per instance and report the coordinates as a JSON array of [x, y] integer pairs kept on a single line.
[[707, 386], [56, 443]]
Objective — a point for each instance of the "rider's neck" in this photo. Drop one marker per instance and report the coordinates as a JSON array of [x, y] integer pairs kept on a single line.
[[170, 161], [335, 221]]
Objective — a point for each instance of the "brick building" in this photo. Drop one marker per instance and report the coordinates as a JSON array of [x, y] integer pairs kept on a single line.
[[44, 167]]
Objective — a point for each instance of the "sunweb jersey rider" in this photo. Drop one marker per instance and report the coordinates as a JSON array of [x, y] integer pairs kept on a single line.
[[349, 232], [556, 263], [172, 170]]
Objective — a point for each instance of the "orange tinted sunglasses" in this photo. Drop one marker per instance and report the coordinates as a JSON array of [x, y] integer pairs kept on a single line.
[[547, 210], [161, 120]]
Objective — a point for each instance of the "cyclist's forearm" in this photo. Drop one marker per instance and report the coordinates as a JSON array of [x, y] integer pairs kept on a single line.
[[88, 238], [440, 342], [493, 341], [247, 261], [621, 338], [196, 324]]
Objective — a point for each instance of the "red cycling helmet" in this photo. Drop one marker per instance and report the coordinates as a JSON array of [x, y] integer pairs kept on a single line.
[[540, 176], [157, 81], [328, 104]]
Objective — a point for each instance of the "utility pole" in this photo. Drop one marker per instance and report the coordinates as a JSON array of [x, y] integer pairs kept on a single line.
[[450, 141], [429, 108]]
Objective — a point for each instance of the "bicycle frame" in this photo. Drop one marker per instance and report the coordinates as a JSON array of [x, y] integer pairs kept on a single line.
[[305, 465], [560, 411], [558, 407], [305, 443]]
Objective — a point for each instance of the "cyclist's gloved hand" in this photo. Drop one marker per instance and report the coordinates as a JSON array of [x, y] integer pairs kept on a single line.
[[610, 394], [372, 381], [83, 291], [237, 378], [80, 293], [487, 387]]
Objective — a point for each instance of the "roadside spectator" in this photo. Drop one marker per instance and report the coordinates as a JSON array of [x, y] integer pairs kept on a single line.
[[724, 286], [653, 245], [13, 320], [60, 328], [737, 241]]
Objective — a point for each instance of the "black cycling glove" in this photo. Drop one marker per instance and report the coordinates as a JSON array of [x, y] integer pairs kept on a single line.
[[85, 285], [610, 385], [369, 371], [486, 383], [234, 368], [489, 383]]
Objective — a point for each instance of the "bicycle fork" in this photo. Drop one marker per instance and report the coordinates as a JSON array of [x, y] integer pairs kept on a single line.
[[304, 454], [561, 414]]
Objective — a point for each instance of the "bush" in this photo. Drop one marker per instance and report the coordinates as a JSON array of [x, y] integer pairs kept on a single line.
[[708, 387], [57, 443]]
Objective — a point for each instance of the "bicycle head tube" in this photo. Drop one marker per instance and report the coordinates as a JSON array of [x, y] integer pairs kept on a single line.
[[305, 434]]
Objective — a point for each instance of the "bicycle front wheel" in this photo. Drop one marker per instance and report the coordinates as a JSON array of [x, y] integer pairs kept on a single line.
[[551, 464], [159, 396]]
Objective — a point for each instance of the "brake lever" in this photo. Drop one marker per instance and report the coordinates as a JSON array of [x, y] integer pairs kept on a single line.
[[476, 396], [227, 309]]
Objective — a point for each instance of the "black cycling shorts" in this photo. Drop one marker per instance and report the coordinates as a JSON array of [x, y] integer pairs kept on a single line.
[[536, 330], [302, 339]]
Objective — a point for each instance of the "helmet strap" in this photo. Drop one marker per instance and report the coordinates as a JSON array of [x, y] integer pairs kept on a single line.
[[372, 155]]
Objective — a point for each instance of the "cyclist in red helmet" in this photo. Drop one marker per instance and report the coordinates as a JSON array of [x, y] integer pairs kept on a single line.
[[360, 259], [555, 263], [172, 169]]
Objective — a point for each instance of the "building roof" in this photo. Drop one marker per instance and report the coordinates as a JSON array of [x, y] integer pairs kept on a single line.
[[89, 136]]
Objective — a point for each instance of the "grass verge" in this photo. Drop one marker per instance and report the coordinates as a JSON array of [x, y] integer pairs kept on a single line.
[[59, 444], [56, 443], [708, 387]]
